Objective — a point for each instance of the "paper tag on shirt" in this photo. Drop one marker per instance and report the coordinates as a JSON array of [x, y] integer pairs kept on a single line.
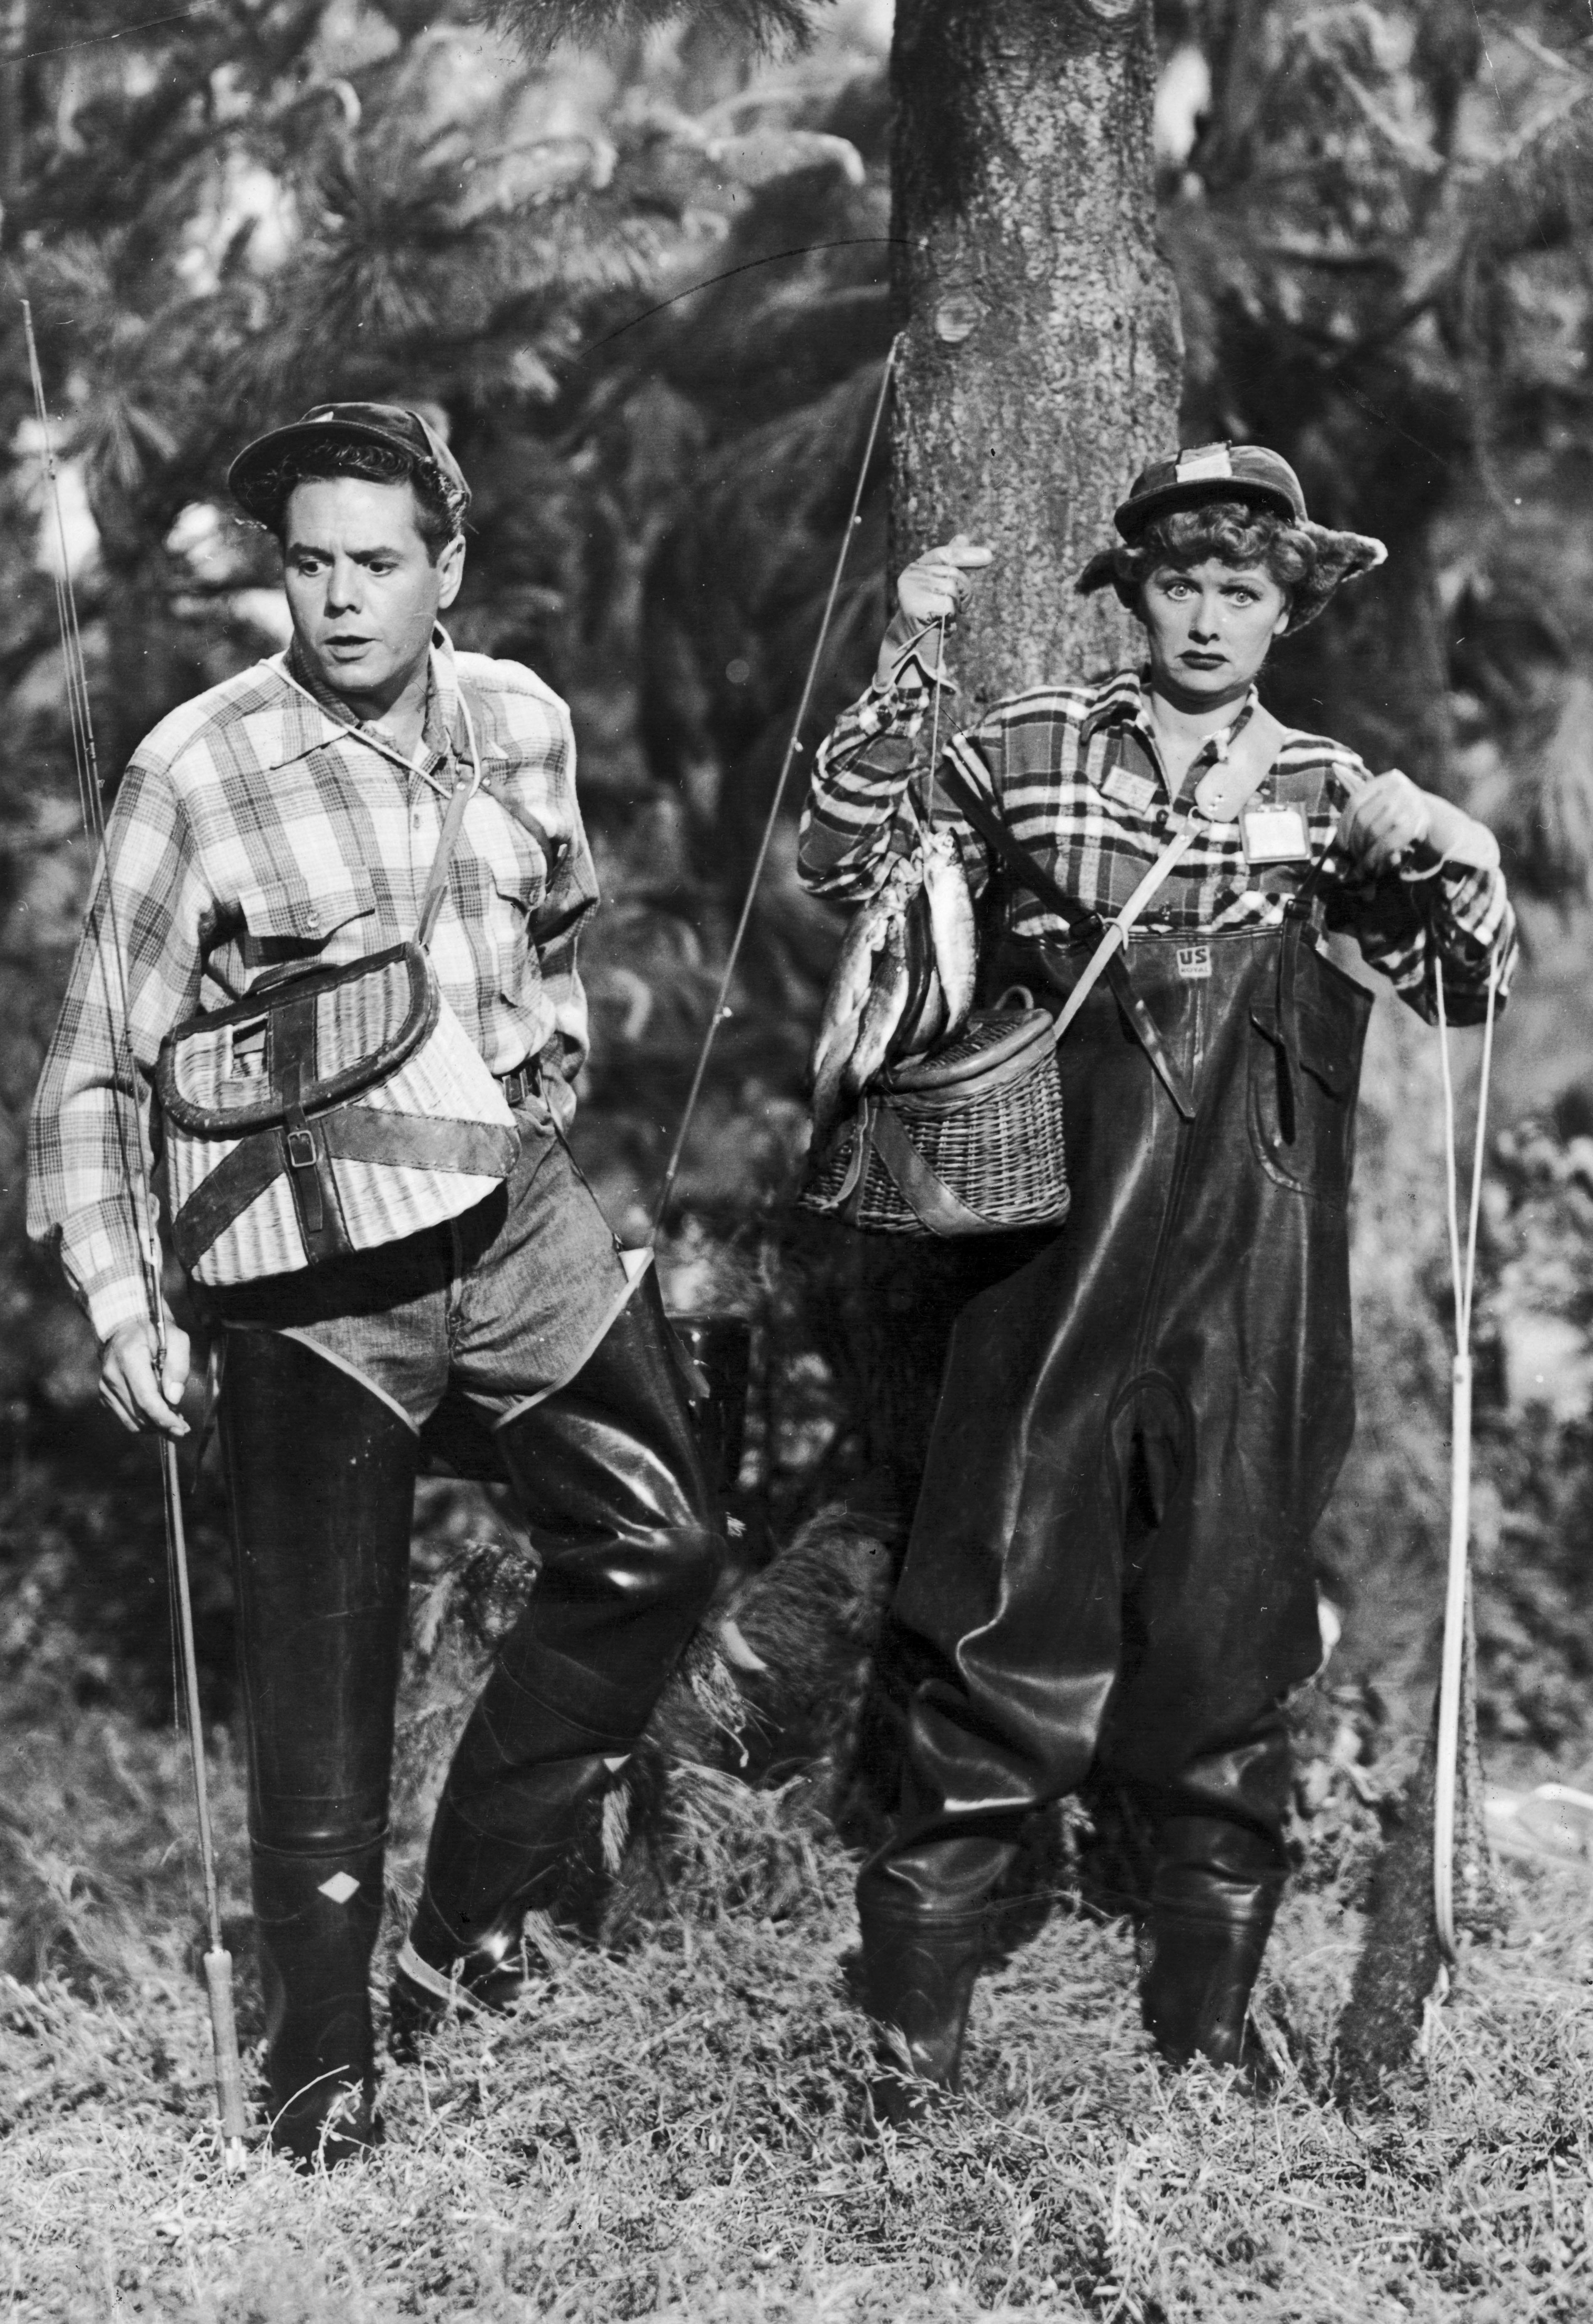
[[1137, 792], [1275, 835]]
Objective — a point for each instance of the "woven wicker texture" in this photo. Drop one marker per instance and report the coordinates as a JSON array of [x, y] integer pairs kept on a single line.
[[993, 1138], [446, 1080], [356, 1019]]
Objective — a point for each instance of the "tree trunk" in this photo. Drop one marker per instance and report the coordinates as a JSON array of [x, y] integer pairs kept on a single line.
[[1039, 369], [1041, 352]]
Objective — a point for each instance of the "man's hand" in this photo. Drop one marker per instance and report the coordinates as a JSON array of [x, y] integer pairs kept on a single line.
[[1392, 814], [129, 1384], [933, 585]]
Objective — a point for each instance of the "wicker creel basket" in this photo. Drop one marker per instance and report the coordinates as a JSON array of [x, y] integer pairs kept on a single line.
[[967, 1141]]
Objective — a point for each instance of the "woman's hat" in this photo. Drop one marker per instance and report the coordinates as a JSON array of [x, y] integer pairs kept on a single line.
[[1260, 479], [252, 478]]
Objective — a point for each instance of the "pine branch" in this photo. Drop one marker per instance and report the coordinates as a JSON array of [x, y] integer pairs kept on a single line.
[[539, 25]]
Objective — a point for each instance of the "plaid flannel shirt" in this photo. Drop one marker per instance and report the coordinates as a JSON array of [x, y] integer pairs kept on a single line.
[[1080, 783], [256, 826]]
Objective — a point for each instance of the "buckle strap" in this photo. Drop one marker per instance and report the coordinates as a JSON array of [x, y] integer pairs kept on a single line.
[[520, 1084]]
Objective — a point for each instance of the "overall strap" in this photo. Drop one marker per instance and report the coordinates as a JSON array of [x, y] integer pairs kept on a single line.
[[1015, 856], [459, 798], [1221, 795]]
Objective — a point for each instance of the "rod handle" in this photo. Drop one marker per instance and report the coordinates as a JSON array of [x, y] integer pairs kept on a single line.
[[229, 2077]]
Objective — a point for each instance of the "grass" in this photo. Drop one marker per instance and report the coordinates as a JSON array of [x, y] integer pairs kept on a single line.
[[673, 2132]]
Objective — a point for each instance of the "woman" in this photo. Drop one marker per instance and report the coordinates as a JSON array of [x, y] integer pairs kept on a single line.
[[1140, 1427]]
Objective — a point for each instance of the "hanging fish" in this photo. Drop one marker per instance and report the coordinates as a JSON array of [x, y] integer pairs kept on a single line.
[[924, 1015], [950, 908], [850, 989], [882, 1011]]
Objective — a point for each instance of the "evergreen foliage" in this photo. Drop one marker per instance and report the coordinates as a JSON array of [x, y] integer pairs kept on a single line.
[[646, 283]]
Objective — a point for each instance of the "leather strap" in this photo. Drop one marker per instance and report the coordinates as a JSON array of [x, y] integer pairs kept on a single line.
[[459, 798], [353, 1133], [1033, 876], [928, 1197], [310, 1172], [419, 1141], [227, 1194]]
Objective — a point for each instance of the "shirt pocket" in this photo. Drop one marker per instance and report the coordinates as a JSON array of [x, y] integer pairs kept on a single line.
[[514, 900], [309, 920]]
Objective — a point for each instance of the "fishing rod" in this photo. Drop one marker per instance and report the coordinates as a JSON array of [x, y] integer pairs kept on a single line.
[[719, 1011], [105, 932], [1446, 1773]]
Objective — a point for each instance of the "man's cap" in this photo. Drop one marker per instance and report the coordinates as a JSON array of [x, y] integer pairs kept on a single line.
[[253, 477], [1212, 472]]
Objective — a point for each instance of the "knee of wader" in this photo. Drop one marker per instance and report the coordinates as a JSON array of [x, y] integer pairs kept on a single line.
[[1211, 1855], [578, 1471], [638, 1578]]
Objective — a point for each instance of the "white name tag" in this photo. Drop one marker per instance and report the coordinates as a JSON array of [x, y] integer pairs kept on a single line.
[[1194, 960], [1137, 792], [1277, 834]]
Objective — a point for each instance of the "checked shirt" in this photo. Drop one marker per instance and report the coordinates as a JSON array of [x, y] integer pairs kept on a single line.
[[257, 827], [1080, 783]]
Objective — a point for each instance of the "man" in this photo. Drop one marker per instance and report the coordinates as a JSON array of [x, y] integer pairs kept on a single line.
[[291, 815], [1141, 1420]]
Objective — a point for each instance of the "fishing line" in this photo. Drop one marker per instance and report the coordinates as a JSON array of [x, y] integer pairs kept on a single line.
[[719, 1010], [103, 39], [1463, 1264], [802, 250], [103, 930]]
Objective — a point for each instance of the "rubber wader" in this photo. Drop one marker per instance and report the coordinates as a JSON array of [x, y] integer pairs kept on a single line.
[[1138, 1433]]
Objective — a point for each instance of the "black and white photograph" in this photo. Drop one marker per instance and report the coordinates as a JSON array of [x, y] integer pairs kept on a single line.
[[796, 1161]]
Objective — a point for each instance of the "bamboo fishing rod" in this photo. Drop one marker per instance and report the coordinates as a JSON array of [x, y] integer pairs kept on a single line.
[[106, 931], [719, 1010]]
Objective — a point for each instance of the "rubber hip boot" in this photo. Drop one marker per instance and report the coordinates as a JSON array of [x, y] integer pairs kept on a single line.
[[918, 1975], [316, 1934], [610, 1479], [1213, 1896], [320, 1475]]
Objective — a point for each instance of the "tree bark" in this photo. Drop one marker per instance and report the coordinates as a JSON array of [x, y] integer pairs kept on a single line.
[[1039, 368], [1041, 352]]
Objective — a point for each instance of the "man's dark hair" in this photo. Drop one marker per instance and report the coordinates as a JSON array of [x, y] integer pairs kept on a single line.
[[1235, 532], [439, 512]]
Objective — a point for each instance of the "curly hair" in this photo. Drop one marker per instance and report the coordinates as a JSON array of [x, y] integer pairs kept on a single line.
[[1234, 533], [439, 510], [1308, 561]]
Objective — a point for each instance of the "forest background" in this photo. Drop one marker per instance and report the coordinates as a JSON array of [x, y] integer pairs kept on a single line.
[[645, 284]]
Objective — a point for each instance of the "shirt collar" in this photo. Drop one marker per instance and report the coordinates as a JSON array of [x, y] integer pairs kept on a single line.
[[313, 715], [1124, 700]]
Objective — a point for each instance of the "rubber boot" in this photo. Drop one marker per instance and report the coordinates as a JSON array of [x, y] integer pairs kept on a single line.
[[320, 1475], [918, 1975], [1214, 1894], [317, 1919], [609, 1475]]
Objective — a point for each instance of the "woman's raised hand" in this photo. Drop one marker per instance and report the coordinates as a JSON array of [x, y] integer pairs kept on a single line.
[[933, 585]]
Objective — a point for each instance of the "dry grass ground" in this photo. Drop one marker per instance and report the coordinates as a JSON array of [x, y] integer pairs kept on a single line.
[[674, 2131]]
